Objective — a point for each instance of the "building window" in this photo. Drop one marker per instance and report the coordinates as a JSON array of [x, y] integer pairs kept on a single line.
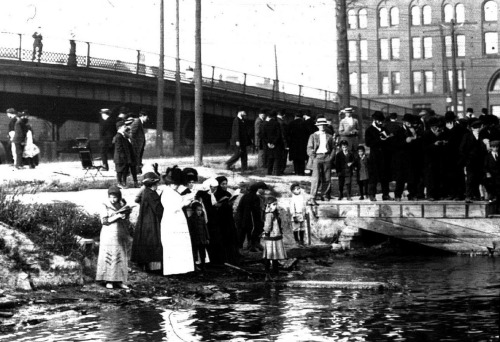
[[460, 13], [491, 43], [383, 17], [364, 83], [415, 16], [395, 45], [395, 82], [427, 47], [417, 82], [448, 13], [394, 16], [384, 83], [363, 18], [353, 82], [429, 81], [353, 51], [461, 76], [352, 19], [427, 14], [363, 46], [384, 49], [495, 110], [461, 45], [490, 11], [416, 48], [496, 85]]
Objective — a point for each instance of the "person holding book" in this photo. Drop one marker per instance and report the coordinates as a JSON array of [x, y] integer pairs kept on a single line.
[[112, 262], [225, 219]]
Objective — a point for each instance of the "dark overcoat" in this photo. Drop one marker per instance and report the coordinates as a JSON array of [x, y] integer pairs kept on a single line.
[[298, 137], [146, 246], [124, 153]]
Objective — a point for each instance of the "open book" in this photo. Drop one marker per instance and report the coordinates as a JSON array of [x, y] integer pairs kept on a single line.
[[228, 199], [126, 209]]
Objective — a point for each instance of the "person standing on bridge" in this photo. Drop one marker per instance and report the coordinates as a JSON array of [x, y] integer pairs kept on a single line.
[[37, 45], [259, 145], [138, 137], [240, 140]]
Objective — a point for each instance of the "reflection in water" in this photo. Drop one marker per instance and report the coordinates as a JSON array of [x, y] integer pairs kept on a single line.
[[442, 299]]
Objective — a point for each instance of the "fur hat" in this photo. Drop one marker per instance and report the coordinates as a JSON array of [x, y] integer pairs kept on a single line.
[[114, 190], [150, 178], [189, 174]]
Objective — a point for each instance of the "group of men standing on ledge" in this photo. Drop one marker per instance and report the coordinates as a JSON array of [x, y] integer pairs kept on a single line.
[[433, 157]]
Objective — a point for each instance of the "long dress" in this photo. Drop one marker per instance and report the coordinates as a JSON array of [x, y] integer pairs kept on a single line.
[[112, 262], [146, 247], [229, 234], [175, 239], [273, 243]]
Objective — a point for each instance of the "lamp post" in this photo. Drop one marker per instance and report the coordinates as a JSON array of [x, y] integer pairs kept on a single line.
[[161, 87], [198, 92]]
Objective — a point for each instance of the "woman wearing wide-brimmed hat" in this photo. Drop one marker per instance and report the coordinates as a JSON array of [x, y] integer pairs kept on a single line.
[[147, 250], [175, 238]]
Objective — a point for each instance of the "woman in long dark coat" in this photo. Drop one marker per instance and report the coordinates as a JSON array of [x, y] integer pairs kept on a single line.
[[147, 250], [229, 234], [207, 198], [299, 136]]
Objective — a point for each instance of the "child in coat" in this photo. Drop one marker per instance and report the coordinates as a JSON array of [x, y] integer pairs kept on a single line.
[[112, 262], [198, 230], [362, 176], [298, 213], [343, 165], [274, 249]]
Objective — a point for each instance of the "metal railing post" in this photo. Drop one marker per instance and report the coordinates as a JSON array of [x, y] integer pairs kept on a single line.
[[138, 62], [20, 54], [213, 75], [88, 54], [244, 83], [326, 99], [300, 93]]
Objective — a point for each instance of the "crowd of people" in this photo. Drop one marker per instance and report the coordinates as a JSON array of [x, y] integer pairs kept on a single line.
[[20, 140], [183, 225], [434, 157]]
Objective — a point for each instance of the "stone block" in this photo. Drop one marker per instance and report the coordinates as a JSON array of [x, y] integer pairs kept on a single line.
[[411, 210], [434, 210], [390, 210], [477, 210], [348, 210], [455, 210], [368, 210], [330, 211]]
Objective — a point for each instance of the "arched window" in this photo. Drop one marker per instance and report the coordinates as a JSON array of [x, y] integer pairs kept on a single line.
[[383, 17], [394, 16], [496, 85], [460, 13], [427, 14], [415, 16], [490, 11], [448, 13], [363, 18], [352, 19]]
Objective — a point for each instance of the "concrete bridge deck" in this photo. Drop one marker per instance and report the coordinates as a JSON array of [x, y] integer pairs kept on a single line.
[[452, 226]]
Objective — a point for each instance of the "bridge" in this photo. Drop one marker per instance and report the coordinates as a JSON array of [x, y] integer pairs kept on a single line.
[[64, 91]]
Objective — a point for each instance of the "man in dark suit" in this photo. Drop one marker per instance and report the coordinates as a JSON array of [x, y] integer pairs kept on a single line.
[[284, 132], [492, 171], [20, 132], [321, 149], [240, 140], [434, 144], [454, 171], [138, 138], [298, 134], [274, 143], [259, 146], [124, 157], [375, 139], [473, 152], [404, 160], [106, 133]]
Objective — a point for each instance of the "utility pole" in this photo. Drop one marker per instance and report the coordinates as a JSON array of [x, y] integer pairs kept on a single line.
[[198, 91], [178, 103], [342, 55], [454, 94], [277, 82], [161, 87], [360, 91], [463, 87]]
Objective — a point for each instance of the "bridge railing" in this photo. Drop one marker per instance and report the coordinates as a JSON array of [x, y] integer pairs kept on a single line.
[[100, 56]]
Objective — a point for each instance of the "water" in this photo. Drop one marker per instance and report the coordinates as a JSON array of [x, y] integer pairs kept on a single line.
[[442, 299]]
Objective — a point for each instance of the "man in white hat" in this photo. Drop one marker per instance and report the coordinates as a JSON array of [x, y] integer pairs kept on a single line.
[[321, 149], [349, 129]]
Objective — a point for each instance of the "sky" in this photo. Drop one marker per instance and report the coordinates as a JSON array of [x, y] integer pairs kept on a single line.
[[237, 35]]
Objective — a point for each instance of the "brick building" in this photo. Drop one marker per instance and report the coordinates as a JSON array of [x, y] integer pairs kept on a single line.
[[400, 52]]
